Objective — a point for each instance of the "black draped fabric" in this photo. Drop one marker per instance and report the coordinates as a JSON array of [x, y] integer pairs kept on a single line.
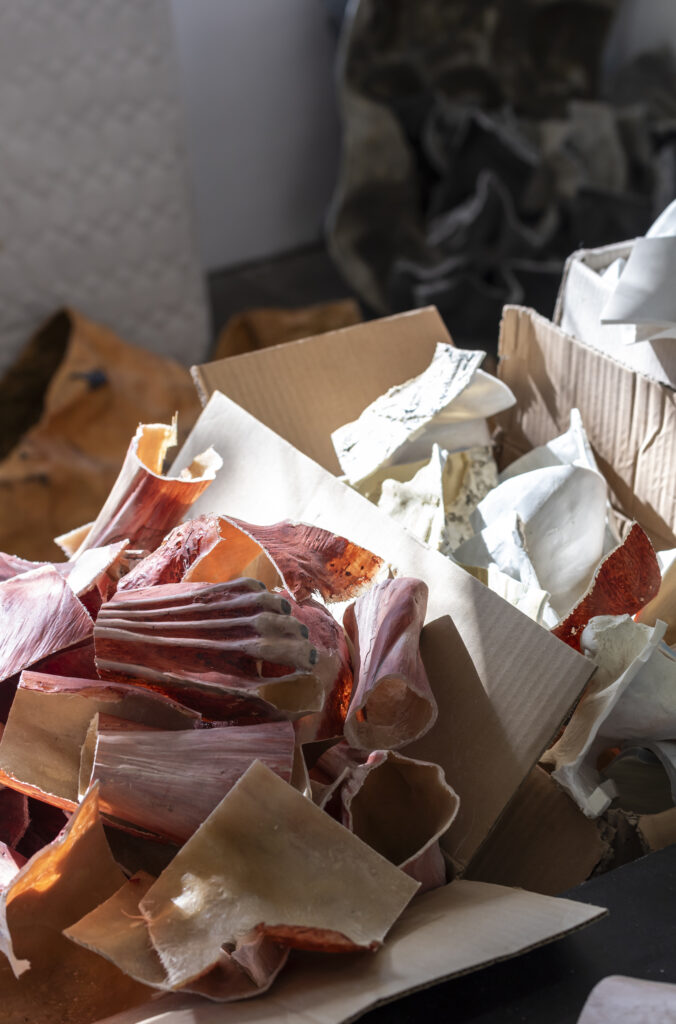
[[478, 152]]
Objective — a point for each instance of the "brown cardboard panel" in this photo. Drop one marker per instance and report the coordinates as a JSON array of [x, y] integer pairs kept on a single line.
[[444, 933], [503, 683], [630, 419], [582, 295], [306, 389], [543, 842]]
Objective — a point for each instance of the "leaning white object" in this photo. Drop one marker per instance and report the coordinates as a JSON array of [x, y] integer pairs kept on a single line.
[[401, 425]]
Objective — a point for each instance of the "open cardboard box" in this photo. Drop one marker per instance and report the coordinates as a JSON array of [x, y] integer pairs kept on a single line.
[[630, 418], [504, 685], [579, 305]]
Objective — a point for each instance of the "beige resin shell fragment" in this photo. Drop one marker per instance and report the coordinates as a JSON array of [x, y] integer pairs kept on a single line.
[[269, 859]]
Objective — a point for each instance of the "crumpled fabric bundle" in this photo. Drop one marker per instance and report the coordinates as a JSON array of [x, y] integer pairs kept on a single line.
[[68, 407], [483, 127]]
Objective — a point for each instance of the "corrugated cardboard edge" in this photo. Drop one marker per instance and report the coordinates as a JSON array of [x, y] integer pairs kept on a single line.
[[498, 707], [543, 842], [582, 296], [630, 419], [441, 935], [304, 390]]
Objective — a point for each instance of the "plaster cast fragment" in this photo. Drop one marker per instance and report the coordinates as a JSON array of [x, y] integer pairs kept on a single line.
[[144, 505], [392, 703], [632, 694], [563, 511], [117, 931], [398, 805], [41, 744], [235, 637], [383, 430], [269, 859], [40, 615], [169, 783]]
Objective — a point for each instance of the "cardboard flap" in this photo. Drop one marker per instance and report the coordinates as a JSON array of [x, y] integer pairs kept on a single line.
[[305, 389], [444, 933], [503, 683], [543, 842], [630, 420]]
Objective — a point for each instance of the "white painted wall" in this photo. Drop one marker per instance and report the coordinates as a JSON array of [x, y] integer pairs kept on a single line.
[[256, 79]]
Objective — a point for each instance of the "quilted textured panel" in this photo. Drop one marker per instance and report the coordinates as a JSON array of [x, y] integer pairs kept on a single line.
[[93, 199]]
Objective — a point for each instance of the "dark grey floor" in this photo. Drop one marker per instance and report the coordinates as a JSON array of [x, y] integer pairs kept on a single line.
[[302, 277], [550, 985]]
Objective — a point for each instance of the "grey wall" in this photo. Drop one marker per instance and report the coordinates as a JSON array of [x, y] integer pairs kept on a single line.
[[641, 25], [262, 132]]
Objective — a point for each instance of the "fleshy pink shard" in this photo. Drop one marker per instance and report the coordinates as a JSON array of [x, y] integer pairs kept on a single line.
[[92, 577], [392, 703], [41, 746], [334, 668], [40, 615], [14, 817], [75, 662], [143, 504], [179, 550], [236, 637], [169, 783], [623, 583], [83, 572], [304, 559], [314, 561], [12, 565]]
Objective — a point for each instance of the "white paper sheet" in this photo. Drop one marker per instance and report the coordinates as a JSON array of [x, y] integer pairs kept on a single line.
[[645, 293]]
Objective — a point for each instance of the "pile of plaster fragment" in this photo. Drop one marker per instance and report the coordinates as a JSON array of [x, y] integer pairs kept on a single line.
[[542, 534], [202, 766]]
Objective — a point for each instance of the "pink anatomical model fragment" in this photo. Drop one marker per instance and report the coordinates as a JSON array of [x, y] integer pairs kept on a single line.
[[225, 639], [392, 702], [143, 504]]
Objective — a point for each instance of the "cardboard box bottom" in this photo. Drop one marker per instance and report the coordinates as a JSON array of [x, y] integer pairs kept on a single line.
[[443, 934]]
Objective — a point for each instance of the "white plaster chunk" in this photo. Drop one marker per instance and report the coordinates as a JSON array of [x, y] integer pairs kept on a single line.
[[563, 511], [627, 696], [436, 503], [379, 436], [571, 448], [530, 600]]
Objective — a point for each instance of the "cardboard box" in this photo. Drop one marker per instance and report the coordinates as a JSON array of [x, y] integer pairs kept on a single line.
[[630, 419], [582, 295], [503, 684]]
